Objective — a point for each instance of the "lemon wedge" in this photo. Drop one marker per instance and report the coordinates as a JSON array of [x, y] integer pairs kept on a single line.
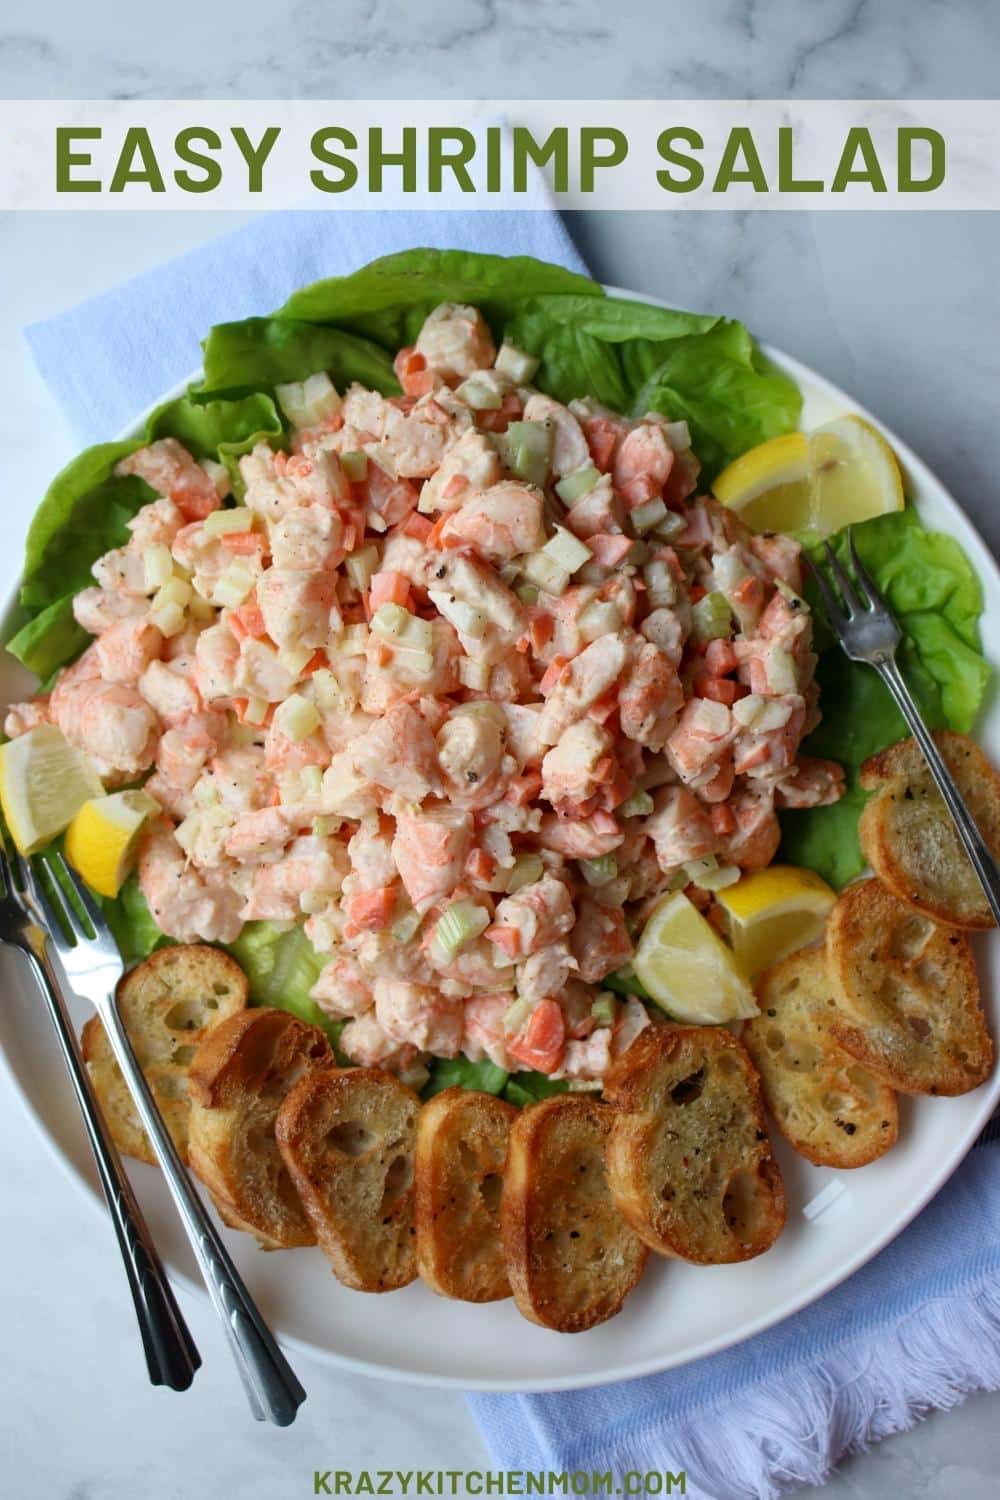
[[687, 968], [814, 482], [774, 911], [103, 838], [43, 783]]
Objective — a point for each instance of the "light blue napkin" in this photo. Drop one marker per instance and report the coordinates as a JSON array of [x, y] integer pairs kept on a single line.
[[110, 358], [917, 1328]]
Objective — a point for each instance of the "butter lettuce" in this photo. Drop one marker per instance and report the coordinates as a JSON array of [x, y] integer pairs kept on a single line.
[[937, 599], [271, 351]]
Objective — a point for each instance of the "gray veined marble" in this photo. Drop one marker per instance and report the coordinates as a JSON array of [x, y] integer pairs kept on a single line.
[[900, 309]]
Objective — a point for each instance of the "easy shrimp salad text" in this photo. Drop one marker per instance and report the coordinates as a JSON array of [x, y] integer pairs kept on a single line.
[[440, 681]]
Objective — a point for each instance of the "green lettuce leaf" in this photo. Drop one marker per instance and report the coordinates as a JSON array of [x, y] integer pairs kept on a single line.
[[281, 969], [132, 924], [459, 1072], [48, 640], [937, 599], [270, 351], [528, 1088]]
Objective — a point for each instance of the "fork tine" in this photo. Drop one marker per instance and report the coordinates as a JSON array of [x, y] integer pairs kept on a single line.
[[83, 895], [58, 912], [831, 603], [844, 581], [873, 597]]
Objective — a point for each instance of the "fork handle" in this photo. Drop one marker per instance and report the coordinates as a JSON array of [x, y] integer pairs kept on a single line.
[[272, 1387], [976, 847], [172, 1357]]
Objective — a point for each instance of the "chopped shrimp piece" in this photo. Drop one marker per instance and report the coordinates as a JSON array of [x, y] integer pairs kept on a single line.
[[394, 672], [269, 492], [754, 842], [342, 989], [299, 608], [633, 1018], [398, 753], [187, 904], [650, 696], [499, 523], [216, 656], [455, 341], [585, 679], [168, 688], [583, 838], [701, 739], [523, 738], [424, 1018], [366, 1044], [122, 571], [569, 446], [156, 525], [430, 849], [470, 754], [667, 630], [483, 1033], [470, 466], [98, 609], [469, 581], [588, 1059], [169, 469], [109, 720], [309, 866], [260, 672], [813, 783], [599, 513], [259, 837], [781, 556], [22, 717], [642, 464], [310, 538], [680, 827], [599, 941], [186, 748], [542, 1044], [575, 768], [533, 918]]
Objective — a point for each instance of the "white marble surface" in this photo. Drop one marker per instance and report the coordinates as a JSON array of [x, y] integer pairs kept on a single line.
[[900, 309]]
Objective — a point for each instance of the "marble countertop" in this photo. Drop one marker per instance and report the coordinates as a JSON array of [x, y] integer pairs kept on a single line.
[[894, 307]]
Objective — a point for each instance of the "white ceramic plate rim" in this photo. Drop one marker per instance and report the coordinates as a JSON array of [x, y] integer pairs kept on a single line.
[[986, 1098]]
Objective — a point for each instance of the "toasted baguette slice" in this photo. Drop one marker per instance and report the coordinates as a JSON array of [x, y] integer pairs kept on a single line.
[[239, 1078], [461, 1151], [908, 836], [908, 992], [829, 1107], [572, 1260], [348, 1138], [689, 1160], [169, 1004]]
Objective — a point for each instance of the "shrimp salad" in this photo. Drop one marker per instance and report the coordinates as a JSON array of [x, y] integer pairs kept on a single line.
[[462, 683]]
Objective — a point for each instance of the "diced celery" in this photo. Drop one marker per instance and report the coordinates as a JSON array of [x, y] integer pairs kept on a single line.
[[406, 927], [294, 658], [516, 1015], [782, 674], [354, 641], [466, 618], [601, 617], [639, 805], [787, 592], [576, 485], [711, 618], [224, 522], [661, 586], [671, 525], [515, 364], [480, 394], [174, 591], [645, 517], [474, 675], [393, 623], [312, 780], [361, 565], [296, 718], [355, 466], [528, 448], [599, 871], [566, 550], [459, 924], [233, 585], [718, 879], [307, 402], [604, 1009], [542, 571], [169, 620], [256, 710], [312, 902], [528, 592], [416, 1076], [678, 435], [158, 566], [325, 827], [527, 869], [747, 710]]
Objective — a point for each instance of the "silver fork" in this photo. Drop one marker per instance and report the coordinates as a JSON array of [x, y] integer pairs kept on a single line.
[[868, 632], [93, 967], [171, 1355]]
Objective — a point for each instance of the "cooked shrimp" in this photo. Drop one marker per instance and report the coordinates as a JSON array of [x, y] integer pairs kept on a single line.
[[365, 1042], [299, 608], [419, 1016], [168, 687], [309, 866], [483, 1032], [583, 838], [577, 766], [430, 849], [398, 753], [583, 681], [650, 696], [98, 609], [534, 917], [187, 904], [642, 464], [342, 989], [569, 446], [455, 341], [470, 753], [499, 523], [470, 466], [110, 721], [599, 940], [169, 469], [680, 827]]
